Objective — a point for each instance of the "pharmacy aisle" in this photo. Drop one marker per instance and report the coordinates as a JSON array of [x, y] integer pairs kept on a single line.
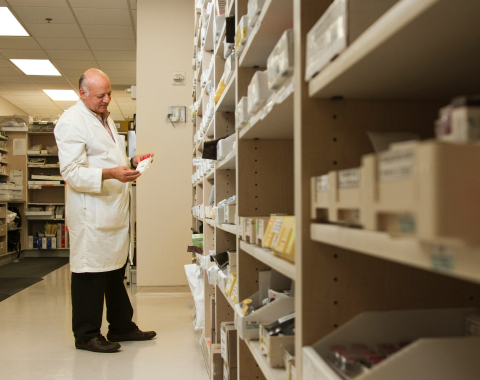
[[37, 342]]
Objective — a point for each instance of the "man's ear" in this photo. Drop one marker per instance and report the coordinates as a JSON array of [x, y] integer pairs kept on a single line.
[[83, 94]]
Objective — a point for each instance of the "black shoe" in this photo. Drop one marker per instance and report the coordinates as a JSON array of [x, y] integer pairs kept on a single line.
[[134, 335], [98, 344]]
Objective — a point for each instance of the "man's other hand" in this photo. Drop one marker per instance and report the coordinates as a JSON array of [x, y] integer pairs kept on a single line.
[[121, 173]]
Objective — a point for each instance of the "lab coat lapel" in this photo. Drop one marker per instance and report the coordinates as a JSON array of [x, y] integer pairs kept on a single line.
[[97, 122]]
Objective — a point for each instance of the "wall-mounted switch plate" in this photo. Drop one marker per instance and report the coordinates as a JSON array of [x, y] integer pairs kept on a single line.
[[177, 113]]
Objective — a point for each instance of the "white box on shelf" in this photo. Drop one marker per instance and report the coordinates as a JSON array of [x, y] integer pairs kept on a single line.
[[230, 213], [219, 214], [217, 28], [229, 68], [227, 48], [258, 91], [248, 327], [341, 24], [254, 9], [241, 35], [439, 349], [225, 146], [280, 61], [242, 116]]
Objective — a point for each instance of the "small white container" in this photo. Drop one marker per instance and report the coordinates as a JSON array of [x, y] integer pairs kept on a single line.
[[258, 91], [241, 113], [280, 61]]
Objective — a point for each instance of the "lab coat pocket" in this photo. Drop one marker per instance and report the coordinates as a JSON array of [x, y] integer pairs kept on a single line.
[[111, 211]]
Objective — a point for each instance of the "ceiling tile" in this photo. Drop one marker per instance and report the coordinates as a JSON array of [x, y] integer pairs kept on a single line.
[[121, 94], [109, 4], [18, 43], [133, 4], [19, 86], [65, 105], [23, 54], [36, 103], [118, 65], [3, 3], [10, 97], [112, 44], [115, 55], [11, 71], [32, 3], [70, 64], [55, 30], [27, 98], [37, 15], [20, 92], [63, 43], [14, 79], [120, 73], [46, 79], [134, 12], [109, 31], [55, 86], [5, 63], [74, 73], [127, 81], [82, 55], [89, 16]]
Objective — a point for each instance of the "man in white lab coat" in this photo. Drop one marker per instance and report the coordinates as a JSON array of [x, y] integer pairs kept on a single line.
[[98, 177]]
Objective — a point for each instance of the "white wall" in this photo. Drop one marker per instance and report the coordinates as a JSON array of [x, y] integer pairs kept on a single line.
[[164, 45], [7, 108]]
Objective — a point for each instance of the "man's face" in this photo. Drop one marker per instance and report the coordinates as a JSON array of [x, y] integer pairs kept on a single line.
[[99, 95]]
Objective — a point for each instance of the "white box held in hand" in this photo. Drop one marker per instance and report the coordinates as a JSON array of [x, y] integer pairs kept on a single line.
[[144, 164]]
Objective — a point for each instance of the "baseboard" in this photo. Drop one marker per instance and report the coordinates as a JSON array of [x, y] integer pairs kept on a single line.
[[46, 253]]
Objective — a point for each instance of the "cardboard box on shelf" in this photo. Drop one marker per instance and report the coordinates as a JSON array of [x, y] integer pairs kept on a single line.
[[216, 362], [229, 343], [229, 373], [274, 347], [212, 316]]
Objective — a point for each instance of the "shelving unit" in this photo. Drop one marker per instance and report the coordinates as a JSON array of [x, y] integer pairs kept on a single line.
[[43, 195], [394, 77]]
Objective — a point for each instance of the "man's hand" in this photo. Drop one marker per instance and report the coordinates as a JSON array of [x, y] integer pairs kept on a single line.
[[121, 173], [140, 157]]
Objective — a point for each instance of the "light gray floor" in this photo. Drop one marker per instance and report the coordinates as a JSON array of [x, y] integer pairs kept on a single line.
[[36, 342]]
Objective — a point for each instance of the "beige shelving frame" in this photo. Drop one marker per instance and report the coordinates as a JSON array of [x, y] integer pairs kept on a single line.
[[387, 80]]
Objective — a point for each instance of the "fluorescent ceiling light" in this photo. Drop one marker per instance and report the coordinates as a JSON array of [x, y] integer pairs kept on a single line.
[[61, 94], [36, 67], [9, 26]]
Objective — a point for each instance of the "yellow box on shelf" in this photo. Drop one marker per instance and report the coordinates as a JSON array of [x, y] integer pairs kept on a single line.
[[280, 236], [220, 90], [232, 279]]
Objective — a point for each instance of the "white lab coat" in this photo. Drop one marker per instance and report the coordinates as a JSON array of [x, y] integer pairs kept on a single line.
[[97, 212]]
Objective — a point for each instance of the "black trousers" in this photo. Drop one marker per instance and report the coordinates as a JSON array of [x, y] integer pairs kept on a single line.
[[89, 290]]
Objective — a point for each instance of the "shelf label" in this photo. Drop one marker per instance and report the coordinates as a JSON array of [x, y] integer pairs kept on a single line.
[[322, 183], [349, 178], [396, 164], [442, 257]]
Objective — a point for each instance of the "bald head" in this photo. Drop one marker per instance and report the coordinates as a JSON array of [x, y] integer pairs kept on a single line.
[[95, 90], [91, 75]]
